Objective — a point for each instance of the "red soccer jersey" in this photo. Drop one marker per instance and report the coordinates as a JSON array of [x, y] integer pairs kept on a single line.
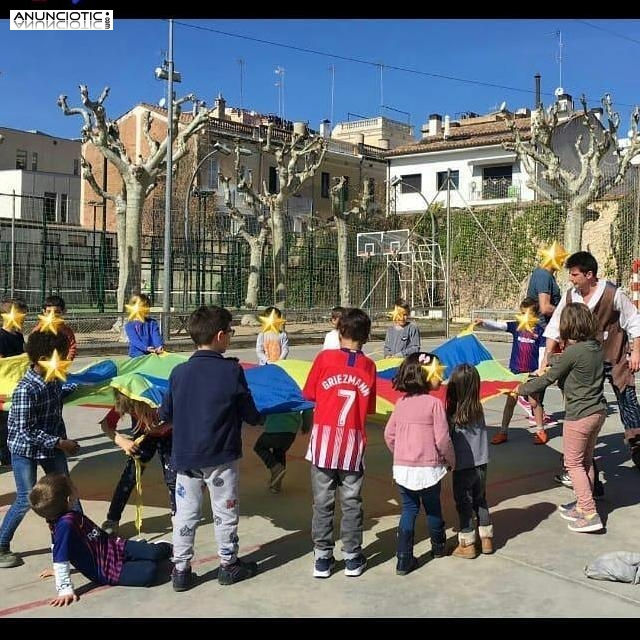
[[342, 383]]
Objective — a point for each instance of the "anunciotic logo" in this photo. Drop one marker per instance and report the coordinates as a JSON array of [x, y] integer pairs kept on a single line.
[[60, 20]]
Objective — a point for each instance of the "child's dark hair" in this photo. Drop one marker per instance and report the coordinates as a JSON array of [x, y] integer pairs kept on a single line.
[[463, 396], [41, 344], [530, 303], [49, 497], [336, 312], [206, 322], [403, 304], [18, 303], [277, 311], [355, 324], [411, 378], [578, 323], [55, 301]]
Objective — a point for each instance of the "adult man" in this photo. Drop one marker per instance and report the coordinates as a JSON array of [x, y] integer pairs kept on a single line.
[[618, 322]]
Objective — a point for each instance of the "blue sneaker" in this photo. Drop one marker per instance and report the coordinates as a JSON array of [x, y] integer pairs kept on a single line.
[[355, 566], [323, 566], [570, 506]]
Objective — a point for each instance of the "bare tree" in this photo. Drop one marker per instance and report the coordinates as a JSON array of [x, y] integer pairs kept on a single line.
[[244, 185], [580, 185], [139, 175], [297, 160]]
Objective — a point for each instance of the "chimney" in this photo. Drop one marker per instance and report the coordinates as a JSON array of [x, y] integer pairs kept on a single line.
[[538, 102], [435, 124], [300, 128], [220, 107], [447, 127], [325, 129], [565, 101]]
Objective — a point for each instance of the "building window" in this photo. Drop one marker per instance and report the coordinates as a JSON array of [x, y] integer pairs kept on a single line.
[[345, 190], [76, 167], [273, 180], [325, 179], [210, 182], [77, 240], [441, 179], [496, 181], [412, 180], [21, 159], [64, 207], [49, 206], [34, 161], [76, 276]]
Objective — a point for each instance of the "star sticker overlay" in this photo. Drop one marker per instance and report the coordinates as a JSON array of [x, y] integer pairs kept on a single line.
[[50, 322], [56, 367], [138, 310], [397, 314], [13, 319], [434, 371], [553, 256], [527, 320], [271, 323]]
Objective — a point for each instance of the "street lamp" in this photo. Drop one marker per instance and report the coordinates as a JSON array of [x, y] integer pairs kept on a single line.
[[218, 147], [166, 72], [395, 181]]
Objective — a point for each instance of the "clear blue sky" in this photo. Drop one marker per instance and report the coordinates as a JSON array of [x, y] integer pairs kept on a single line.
[[444, 66]]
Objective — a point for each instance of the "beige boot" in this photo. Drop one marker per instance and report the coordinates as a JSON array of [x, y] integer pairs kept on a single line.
[[486, 538], [466, 545]]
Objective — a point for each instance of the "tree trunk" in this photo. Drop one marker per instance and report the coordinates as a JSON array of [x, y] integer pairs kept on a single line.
[[573, 228], [279, 253], [343, 264], [255, 267], [129, 242]]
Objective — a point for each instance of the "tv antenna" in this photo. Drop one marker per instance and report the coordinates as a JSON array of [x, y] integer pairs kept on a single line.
[[241, 63], [559, 56]]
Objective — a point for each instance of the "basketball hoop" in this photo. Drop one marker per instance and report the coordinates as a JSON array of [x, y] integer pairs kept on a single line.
[[366, 255]]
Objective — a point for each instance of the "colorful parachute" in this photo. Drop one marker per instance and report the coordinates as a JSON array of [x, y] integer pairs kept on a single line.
[[276, 388]]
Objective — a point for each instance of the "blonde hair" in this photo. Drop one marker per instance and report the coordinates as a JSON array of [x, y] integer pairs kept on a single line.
[[145, 414]]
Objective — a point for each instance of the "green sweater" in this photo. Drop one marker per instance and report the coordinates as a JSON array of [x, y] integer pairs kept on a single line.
[[579, 372]]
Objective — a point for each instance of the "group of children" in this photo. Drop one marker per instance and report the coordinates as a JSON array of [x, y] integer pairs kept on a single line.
[[197, 433]]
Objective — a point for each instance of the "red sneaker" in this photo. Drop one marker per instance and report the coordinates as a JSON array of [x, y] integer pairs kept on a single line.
[[499, 438], [540, 437]]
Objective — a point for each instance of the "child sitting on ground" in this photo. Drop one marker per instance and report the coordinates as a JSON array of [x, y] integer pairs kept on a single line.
[[78, 541]]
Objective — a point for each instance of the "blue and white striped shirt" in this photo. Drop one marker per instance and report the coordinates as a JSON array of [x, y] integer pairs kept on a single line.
[[35, 421]]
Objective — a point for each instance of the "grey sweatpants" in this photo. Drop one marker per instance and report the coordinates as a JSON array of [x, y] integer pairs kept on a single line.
[[222, 483]]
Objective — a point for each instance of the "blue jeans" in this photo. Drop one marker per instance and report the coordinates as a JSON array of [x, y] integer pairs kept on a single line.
[[627, 402], [25, 476], [141, 558], [430, 499]]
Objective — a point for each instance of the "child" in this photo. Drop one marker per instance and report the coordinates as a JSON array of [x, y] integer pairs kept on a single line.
[[77, 541], [470, 442], [403, 337], [332, 339], [342, 383], [417, 434], [524, 359], [56, 305], [157, 439], [37, 434], [272, 343], [11, 344], [279, 433], [207, 401], [144, 335], [579, 371]]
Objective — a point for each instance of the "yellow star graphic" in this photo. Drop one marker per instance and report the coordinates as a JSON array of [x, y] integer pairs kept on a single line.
[[398, 313], [138, 310], [553, 256], [13, 319], [527, 320], [434, 371], [55, 368], [271, 323], [50, 322]]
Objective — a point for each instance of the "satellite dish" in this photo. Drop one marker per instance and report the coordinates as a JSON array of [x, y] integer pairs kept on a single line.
[[503, 106], [162, 102], [558, 92]]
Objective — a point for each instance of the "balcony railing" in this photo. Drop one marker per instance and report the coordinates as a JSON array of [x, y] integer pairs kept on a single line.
[[495, 189]]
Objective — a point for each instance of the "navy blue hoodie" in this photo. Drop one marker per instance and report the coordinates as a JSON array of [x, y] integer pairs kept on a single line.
[[207, 401]]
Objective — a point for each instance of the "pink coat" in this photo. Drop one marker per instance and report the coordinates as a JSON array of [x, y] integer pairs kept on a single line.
[[417, 433]]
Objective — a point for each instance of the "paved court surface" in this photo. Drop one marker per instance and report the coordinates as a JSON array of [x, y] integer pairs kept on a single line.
[[536, 571]]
